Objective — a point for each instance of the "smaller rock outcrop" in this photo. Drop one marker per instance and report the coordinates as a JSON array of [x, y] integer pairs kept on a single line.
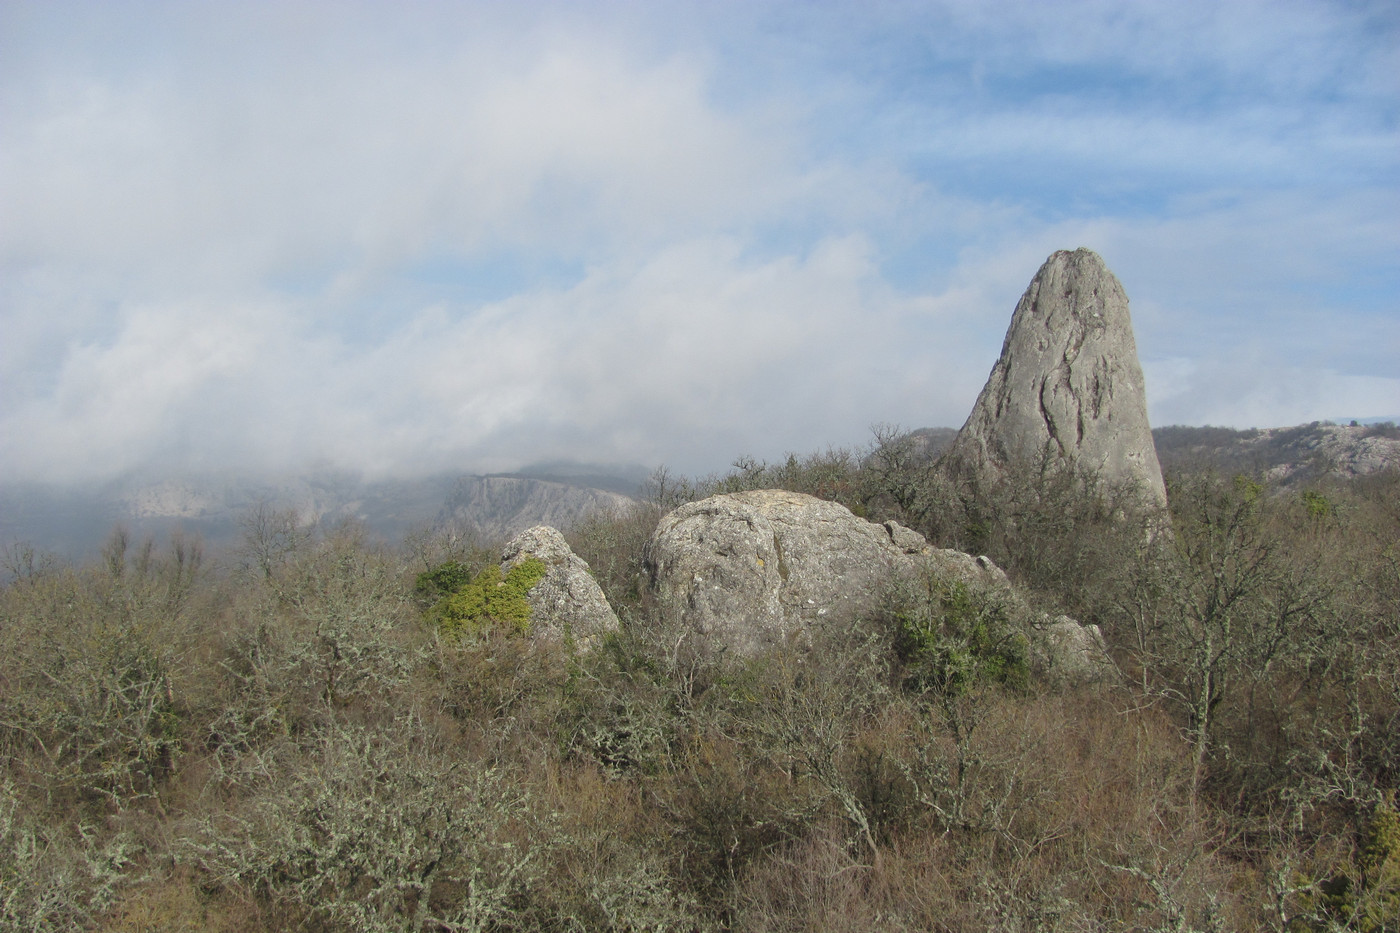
[[567, 602], [1067, 652]]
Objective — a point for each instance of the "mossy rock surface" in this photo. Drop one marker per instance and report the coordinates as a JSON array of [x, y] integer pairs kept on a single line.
[[567, 604]]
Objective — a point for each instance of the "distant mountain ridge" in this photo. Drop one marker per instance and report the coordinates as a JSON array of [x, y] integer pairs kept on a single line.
[[73, 522], [1289, 456], [501, 506]]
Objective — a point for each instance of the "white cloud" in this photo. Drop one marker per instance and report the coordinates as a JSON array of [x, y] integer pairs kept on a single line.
[[475, 235], [373, 165], [1250, 392], [112, 405]]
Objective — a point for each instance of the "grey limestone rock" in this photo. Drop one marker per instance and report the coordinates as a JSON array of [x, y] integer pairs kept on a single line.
[[1067, 652], [906, 539], [1068, 389], [568, 601], [1333, 450], [751, 570]]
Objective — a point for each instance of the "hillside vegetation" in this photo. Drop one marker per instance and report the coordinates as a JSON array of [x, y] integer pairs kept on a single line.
[[1292, 456], [286, 738]]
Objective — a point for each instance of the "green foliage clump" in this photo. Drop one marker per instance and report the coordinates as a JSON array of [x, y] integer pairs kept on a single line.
[[1380, 860], [442, 581], [1317, 505], [490, 601], [1364, 895], [952, 638], [1371, 901]]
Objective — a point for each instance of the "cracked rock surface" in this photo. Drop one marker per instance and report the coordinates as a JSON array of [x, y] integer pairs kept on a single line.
[[751, 570], [1068, 389]]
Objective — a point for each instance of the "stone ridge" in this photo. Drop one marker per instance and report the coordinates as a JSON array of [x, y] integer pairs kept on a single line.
[[1287, 456], [1068, 389]]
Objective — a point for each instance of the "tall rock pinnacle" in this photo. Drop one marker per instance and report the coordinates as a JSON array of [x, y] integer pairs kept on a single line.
[[1068, 388]]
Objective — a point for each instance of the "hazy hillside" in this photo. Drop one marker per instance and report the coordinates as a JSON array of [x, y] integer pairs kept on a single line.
[[73, 522], [499, 506], [931, 442]]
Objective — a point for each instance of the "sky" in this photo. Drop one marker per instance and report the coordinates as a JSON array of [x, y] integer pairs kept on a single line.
[[400, 238]]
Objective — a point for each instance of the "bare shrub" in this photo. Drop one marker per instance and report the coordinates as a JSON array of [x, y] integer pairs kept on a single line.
[[89, 664], [611, 543], [827, 475], [374, 830], [1065, 814], [728, 807], [899, 479], [288, 745], [54, 877], [609, 868]]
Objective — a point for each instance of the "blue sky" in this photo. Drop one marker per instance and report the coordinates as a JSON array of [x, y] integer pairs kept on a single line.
[[409, 237]]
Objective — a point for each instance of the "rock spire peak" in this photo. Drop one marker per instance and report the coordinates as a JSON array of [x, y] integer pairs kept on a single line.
[[1068, 389]]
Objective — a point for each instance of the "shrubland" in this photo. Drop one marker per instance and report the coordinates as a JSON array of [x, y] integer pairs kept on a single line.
[[310, 734]]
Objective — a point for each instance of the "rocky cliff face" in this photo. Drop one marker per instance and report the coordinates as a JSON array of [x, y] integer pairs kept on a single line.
[[500, 506], [1068, 388]]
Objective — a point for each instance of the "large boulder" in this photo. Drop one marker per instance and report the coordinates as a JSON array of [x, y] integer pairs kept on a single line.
[[751, 570], [567, 602], [1068, 390]]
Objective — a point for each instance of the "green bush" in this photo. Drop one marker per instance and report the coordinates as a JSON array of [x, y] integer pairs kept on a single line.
[[951, 638], [442, 581], [491, 601], [1365, 896]]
